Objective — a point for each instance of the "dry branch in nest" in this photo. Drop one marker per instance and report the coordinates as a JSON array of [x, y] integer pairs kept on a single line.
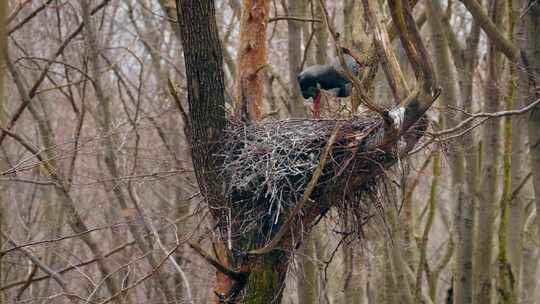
[[267, 167]]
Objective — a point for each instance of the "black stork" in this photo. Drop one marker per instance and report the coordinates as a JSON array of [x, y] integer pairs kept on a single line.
[[328, 77]]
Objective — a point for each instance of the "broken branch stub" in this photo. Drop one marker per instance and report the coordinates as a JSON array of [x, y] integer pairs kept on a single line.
[[390, 64]]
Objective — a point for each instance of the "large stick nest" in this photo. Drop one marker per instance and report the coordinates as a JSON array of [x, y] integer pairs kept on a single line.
[[267, 166]]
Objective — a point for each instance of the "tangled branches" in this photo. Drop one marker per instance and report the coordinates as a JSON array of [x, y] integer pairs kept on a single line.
[[267, 166]]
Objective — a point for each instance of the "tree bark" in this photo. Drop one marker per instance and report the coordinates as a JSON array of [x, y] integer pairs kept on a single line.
[[307, 279], [206, 99], [390, 64], [466, 212], [532, 49], [251, 59], [506, 287], [294, 44], [203, 62], [352, 285], [3, 121], [321, 36], [490, 157], [530, 267], [396, 259], [516, 204], [456, 155]]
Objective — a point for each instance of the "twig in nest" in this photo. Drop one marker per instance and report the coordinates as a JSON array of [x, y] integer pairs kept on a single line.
[[309, 189]]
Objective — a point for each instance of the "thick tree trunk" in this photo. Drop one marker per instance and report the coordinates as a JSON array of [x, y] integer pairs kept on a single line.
[[267, 279], [251, 59], [203, 61], [205, 82]]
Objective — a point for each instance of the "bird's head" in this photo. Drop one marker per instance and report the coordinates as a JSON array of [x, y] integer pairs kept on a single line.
[[308, 84], [311, 92]]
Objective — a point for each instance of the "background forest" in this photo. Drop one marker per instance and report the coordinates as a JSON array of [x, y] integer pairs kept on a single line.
[[100, 200]]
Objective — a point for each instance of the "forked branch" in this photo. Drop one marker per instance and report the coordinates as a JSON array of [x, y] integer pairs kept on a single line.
[[390, 64], [339, 51], [412, 43], [426, 91]]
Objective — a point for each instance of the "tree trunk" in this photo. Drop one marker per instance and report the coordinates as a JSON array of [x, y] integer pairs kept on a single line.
[[352, 285], [516, 207], [397, 262], [456, 156], [295, 8], [506, 288], [490, 157], [267, 279], [3, 122], [307, 278], [203, 61], [251, 59], [308, 287], [55, 173], [321, 36], [389, 294], [532, 48], [206, 98], [530, 268], [466, 213]]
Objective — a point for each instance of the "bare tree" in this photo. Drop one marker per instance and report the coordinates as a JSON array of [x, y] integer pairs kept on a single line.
[[260, 271], [126, 177]]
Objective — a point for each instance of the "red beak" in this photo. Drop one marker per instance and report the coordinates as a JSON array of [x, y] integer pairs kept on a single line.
[[317, 106]]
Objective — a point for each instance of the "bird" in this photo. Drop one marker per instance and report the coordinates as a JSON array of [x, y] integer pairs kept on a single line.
[[329, 76]]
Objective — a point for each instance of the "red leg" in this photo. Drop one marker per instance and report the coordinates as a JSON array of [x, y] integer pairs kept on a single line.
[[317, 106]]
